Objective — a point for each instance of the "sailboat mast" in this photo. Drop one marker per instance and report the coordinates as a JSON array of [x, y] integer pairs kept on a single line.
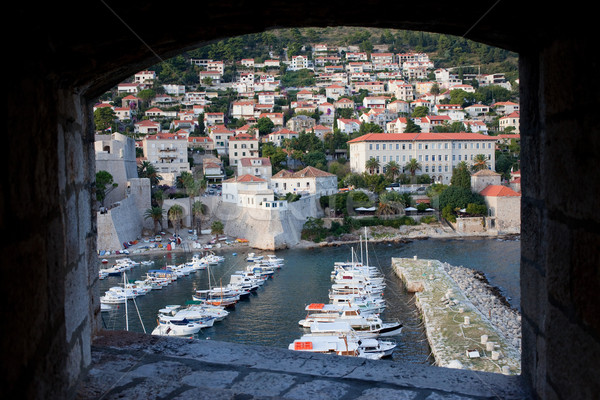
[[361, 249], [366, 248], [125, 293]]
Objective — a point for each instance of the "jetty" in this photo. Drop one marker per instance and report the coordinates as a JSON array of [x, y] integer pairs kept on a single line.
[[460, 334]]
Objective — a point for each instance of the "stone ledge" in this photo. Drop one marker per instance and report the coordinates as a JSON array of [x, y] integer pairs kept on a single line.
[[126, 364]]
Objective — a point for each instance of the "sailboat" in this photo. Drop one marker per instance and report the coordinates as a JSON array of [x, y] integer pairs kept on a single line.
[[217, 296]]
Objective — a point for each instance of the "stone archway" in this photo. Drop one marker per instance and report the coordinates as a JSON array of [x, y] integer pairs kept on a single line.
[[67, 60]]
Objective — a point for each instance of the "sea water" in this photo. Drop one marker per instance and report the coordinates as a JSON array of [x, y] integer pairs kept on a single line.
[[270, 316]]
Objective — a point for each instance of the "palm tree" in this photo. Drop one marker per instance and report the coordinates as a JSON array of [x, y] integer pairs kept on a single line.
[[192, 187], [392, 169], [217, 228], [199, 210], [372, 164], [479, 162], [413, 166], [147, 170], [156, 213], [175, 215]]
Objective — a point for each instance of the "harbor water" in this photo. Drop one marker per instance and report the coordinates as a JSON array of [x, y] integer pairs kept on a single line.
[[270, 316]]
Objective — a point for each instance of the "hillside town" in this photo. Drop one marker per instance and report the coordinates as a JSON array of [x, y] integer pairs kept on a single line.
[[246, 155]]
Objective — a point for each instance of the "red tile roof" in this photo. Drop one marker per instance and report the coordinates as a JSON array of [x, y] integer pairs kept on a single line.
[[429, 136], [498, 191]]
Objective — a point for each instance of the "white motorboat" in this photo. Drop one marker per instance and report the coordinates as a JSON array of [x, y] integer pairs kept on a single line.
[[181, 327], [333, 313], [357, 288], [191, 315], [197, 263], [340, 344], [112, 298], [274, 259], [127, 293], [372, 328], [252, 257]]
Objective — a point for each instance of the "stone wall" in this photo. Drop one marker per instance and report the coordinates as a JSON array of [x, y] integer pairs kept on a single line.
[[120, 224], [268, 229], [47, 210]]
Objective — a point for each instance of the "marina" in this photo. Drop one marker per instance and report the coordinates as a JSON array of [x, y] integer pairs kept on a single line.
[[270, 315]]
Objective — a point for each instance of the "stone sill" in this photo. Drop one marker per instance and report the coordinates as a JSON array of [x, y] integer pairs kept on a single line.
[[132, 365]]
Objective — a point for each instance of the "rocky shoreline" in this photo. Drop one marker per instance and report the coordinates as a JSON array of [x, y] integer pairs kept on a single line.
[[489, 300]]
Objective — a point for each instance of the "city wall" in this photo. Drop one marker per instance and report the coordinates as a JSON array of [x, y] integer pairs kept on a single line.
[[268, 229]]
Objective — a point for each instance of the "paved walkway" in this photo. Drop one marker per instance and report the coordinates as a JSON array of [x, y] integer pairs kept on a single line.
[[129, 365]]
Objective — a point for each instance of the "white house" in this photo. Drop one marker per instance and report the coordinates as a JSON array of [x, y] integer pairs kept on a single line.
[[247, 191], [348, 125], [308, 181], [256, 166]]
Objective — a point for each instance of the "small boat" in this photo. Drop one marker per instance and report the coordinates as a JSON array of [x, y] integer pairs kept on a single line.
[[371, 328], [252, 257], [343, 345], [112, 298], [104, 261], [180, 327]]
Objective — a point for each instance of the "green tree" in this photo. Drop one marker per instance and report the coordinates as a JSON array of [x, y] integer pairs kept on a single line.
[[420, 111], [411, 127], [276, 155], [156, 214], [390, 203], [104, 185], [479, 162], [315, 158], [217, 228], [459, 197], [104, 118], [175, 214], [199, 211], [461, 177], [264, 125], [412, 166], [372, 164], [147, 170], [392, 170]]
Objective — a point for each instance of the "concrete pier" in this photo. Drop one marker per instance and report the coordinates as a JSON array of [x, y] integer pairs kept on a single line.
[[459, 334]]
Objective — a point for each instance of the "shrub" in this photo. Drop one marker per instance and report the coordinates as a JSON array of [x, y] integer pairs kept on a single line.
[[429, 219]]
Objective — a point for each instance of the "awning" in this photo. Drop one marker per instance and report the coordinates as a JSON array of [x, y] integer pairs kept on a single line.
[[365, 209]]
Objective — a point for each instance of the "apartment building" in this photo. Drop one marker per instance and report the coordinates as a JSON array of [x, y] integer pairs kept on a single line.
[[242, 146], [167, 152], [437, 153]]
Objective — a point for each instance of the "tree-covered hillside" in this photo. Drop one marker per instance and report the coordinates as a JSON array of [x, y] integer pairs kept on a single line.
[[444, 50]]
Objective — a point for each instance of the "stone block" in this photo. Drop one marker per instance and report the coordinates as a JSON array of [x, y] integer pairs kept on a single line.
[[318, 390], [264, 384]]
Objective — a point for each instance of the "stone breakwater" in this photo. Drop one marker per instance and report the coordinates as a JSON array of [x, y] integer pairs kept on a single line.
[[468, 326], [489, 300]]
